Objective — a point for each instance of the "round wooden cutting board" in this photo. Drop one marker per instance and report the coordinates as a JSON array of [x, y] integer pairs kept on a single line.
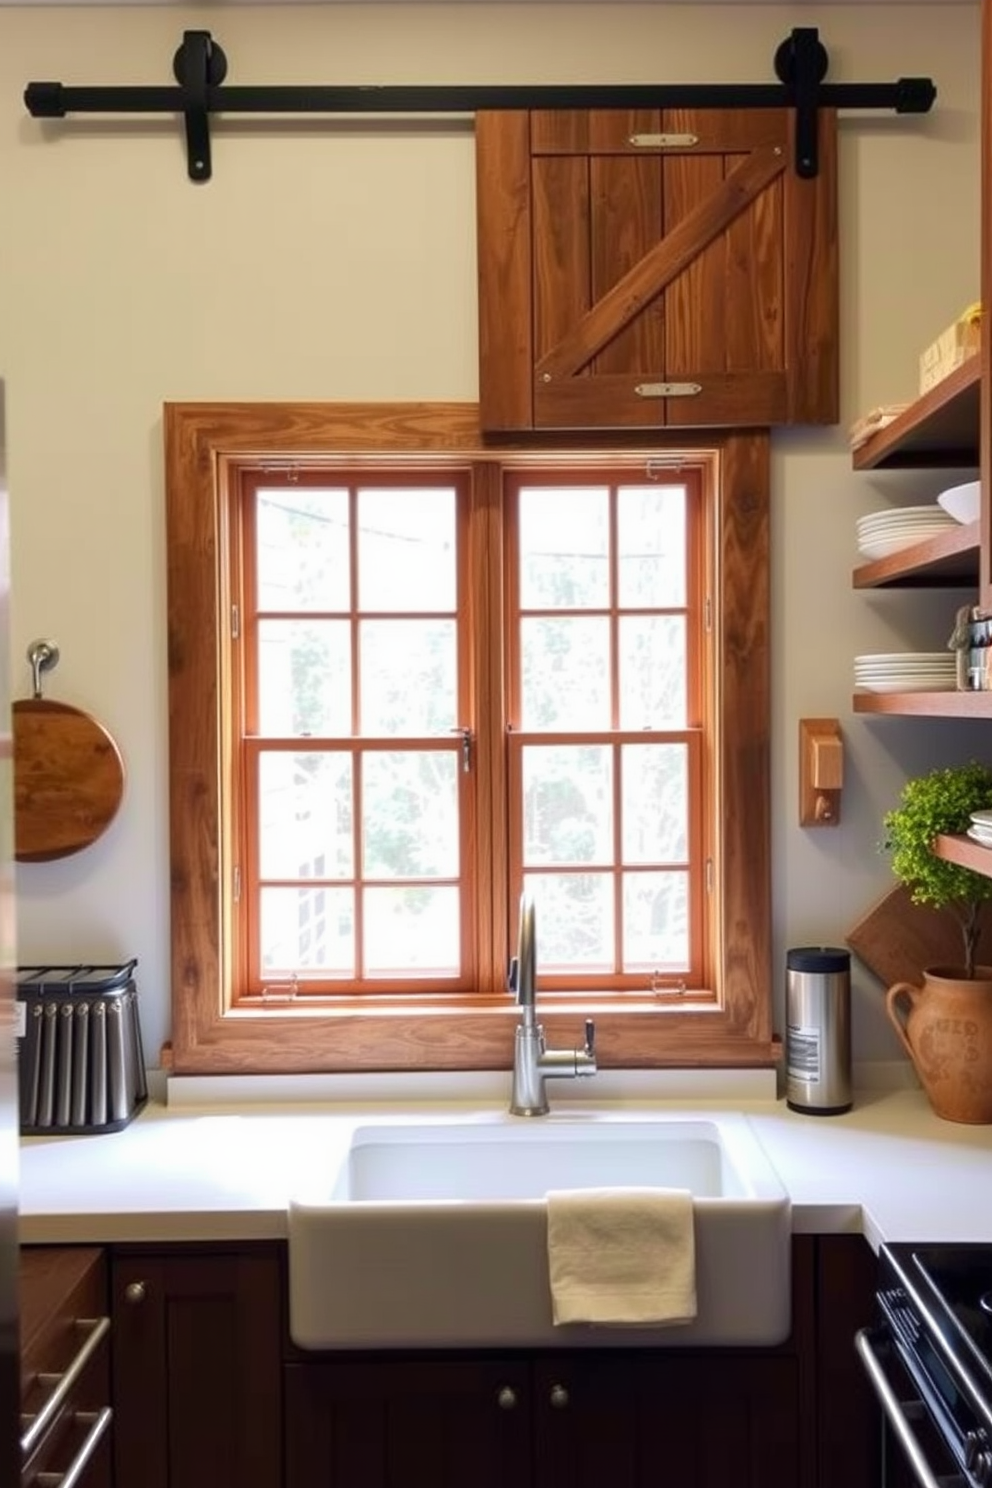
[[68, 779]]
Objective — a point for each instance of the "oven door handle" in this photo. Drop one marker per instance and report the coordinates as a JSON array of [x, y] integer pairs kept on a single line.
[[895, 1410]]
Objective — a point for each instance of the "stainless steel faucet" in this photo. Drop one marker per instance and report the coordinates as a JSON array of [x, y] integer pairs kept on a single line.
[[532, 1062]]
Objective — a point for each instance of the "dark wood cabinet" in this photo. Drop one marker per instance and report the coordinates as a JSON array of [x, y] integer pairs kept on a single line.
[[384, 1422], [654, 269], [693, 1420], [576, 1419], [207, 1388], [847, 1414], [197, 1387], [66, 1420], [582, 1418]]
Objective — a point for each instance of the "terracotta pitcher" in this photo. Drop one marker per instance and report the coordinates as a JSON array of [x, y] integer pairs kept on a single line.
[[946, 1026]]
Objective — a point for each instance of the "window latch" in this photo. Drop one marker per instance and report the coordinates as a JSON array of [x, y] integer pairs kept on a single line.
[[466, 734]]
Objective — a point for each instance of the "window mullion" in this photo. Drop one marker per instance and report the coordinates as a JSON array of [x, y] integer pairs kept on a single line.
[[482, 611]]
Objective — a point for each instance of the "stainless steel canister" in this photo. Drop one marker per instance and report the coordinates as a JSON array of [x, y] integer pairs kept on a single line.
[[818, 1030]]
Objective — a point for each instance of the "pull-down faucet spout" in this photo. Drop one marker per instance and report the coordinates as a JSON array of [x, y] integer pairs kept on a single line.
[[533, 1063]]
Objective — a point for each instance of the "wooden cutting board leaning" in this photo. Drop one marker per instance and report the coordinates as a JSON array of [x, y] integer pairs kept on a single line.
[[898, 940]]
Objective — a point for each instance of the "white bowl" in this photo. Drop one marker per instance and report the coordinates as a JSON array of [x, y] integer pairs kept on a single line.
[[962, 502]]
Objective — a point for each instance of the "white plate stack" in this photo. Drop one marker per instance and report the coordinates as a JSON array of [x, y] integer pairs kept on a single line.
[[885, 532], [981, 828], [907, 671]]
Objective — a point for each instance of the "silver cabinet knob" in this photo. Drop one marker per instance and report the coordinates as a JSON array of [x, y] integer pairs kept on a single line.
[[135, 1291], [558, 1397], [506, 1398]]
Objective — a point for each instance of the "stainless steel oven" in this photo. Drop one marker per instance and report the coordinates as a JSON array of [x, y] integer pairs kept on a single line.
[[929, 1359]]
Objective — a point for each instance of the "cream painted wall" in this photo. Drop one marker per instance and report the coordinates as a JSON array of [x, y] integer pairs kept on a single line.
[[319, 263]]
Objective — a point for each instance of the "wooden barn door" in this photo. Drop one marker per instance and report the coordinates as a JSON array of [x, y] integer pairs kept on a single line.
[[654, 269]]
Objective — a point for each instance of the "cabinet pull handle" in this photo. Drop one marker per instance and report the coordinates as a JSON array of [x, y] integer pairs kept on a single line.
[[98, 1421], [506, 1398], [135, 1291], [98, 1328], [896, 1410], [558, 1397]]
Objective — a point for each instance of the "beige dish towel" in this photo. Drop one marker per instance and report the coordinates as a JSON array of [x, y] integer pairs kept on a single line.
[[621, 1255]]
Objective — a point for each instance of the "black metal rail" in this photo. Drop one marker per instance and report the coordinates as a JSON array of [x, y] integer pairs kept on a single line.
[[200, 67]]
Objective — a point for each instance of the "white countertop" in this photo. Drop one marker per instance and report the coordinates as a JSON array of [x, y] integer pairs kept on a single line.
[[889, 1167]]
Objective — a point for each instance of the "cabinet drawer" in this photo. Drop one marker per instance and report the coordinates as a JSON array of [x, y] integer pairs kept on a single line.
[[65, 1366]]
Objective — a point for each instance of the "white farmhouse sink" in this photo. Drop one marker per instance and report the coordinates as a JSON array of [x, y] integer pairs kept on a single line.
[[435, 1233]]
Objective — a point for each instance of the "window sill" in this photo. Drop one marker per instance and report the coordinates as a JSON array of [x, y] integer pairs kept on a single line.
[[427, 1038]]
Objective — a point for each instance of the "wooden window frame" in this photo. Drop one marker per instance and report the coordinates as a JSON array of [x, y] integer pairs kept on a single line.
[[727, 1025]]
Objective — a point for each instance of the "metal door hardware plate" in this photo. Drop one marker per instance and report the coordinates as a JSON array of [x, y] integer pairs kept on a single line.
[[668, 389]]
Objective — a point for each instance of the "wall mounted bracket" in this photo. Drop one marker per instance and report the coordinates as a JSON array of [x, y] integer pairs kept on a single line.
[[200, 67], [821, 772]]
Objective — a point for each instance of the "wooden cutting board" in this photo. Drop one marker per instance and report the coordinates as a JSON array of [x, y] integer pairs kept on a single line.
[[898, 940], [68, 779]]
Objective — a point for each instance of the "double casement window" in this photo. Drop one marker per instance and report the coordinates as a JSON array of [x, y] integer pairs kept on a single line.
[[409, 678], [370, 746]]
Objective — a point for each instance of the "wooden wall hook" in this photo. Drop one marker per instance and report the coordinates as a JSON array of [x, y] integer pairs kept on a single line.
[[821, 771]]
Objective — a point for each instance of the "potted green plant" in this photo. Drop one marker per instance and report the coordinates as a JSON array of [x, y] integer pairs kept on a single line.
[[935, 804], [946, 1023]]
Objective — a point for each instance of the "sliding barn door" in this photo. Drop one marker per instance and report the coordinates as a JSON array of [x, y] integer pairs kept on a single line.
[[654, 269]]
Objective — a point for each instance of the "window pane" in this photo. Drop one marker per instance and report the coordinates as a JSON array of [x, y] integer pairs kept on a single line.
[[564, 548], [565, 680], [304, 677], [655, 795], [308, 930], [651, 546], [656, 922], [409, 682], [652, 671], [410, 814], [412, 931], [406, 550], [305, 816], [574, 919], [568, 804], [302, 549]]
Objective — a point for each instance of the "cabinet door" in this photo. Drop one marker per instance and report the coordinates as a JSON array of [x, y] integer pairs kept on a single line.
[[376, 1423], [653, 268], [848, 1415], [677, 1420], [196, 1369]]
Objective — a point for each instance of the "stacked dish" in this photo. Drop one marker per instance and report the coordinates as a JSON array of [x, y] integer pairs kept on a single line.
[[907, 671], [884, 532], [981, 828]]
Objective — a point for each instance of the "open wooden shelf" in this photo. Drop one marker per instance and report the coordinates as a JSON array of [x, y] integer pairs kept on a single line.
[[926, 704], [939, 429], [965, 852], [950, 558]]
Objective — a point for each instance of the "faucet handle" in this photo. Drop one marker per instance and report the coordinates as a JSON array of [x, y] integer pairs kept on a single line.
[[590, 1036]]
